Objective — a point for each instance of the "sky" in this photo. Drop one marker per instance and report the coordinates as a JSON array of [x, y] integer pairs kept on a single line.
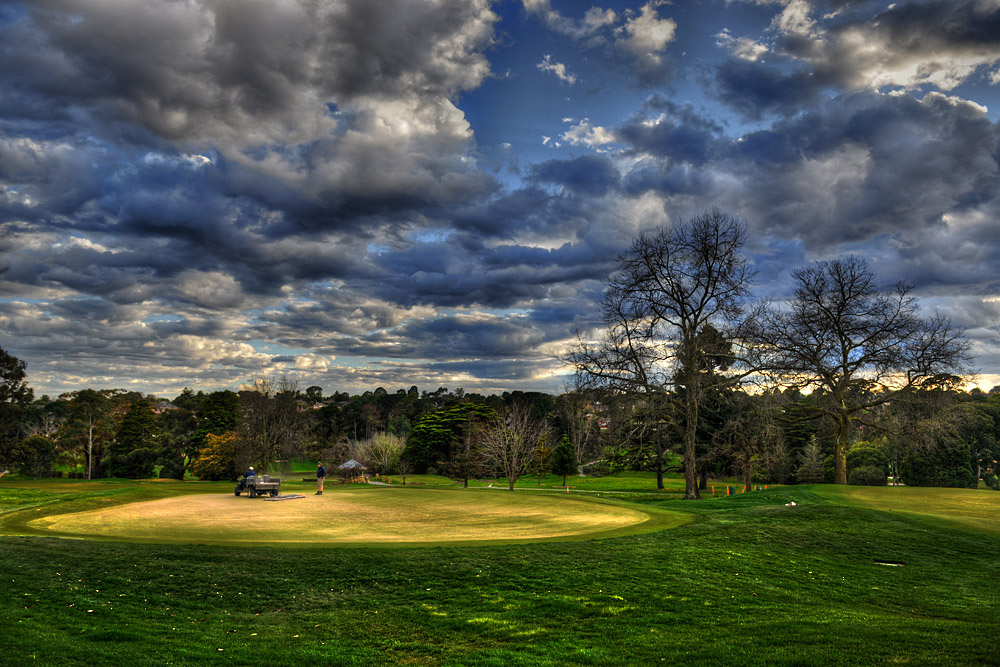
[[363, 194]]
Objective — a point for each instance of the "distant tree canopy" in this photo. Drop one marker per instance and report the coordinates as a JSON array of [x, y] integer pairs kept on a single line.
[[133, 452], [219, 413], [564, 459], [15, 397], [434, 435]]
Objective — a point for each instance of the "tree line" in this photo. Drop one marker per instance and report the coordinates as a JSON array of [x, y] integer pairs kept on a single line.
[[846, 382], [936, 435]]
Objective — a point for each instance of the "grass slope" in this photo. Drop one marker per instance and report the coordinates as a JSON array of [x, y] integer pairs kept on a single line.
[[976, 509], [749, 581]]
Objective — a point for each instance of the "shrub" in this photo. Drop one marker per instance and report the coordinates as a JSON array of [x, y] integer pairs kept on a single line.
[[950, 464], [35, 456], [865, 453], [137, 464], [173, 469], [867, 476]]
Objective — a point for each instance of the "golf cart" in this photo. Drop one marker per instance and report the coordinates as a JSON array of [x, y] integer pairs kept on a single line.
[[262, 485]]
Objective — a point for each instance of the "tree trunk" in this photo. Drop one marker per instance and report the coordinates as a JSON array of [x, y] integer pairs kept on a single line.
[[690, 432], [840, 450], [90, 452]]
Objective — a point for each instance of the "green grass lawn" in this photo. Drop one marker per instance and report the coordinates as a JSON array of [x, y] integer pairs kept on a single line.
[[748, 581]]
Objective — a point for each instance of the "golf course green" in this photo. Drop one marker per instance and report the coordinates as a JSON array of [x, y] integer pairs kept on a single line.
[[350, 516]]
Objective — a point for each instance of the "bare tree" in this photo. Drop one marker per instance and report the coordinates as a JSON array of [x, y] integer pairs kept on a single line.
[[271, 423], [671, 286], [861, 344], [46, 425], [751, 434], [509, 440], [382, 451], [576, 412]]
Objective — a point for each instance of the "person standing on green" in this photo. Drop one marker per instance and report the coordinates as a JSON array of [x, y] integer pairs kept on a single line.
[[320, 476]]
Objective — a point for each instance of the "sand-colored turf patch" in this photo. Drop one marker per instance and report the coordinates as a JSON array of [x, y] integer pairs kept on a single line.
[[972, 508], [369, 516]]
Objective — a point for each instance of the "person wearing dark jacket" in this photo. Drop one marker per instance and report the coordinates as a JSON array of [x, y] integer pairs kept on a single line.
[[320, 476]]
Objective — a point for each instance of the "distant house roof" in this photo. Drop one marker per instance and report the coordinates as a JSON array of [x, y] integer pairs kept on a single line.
[[352, 465]]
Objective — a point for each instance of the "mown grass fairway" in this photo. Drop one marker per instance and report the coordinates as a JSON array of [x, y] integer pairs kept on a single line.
[[748, 581], [353, 516], [973, 508]]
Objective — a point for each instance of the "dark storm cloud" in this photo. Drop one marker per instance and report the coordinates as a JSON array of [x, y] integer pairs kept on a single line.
[[507, 372], [677, 132], [859, 167], [318, 114], [590, 174], [866, 165], [755, 89], [178, 67], [508, 277], [906, 44]]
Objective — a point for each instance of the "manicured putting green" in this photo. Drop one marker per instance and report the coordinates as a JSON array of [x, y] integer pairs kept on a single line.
[[978, 509], [369, 516]]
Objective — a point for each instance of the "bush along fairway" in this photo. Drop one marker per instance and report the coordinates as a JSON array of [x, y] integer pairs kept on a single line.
[[749, 580]]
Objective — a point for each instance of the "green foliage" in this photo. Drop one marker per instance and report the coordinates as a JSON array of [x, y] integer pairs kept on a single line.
[[867, 476], [138, 429], [867, 454], [35, 456], [780, 464], [136, 464], [15, 397], [400, 426], [435, 434], [173, 469], [89, 427], [133, 453], [950, 464], [564, 458], [811, 467], [220, 413]]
